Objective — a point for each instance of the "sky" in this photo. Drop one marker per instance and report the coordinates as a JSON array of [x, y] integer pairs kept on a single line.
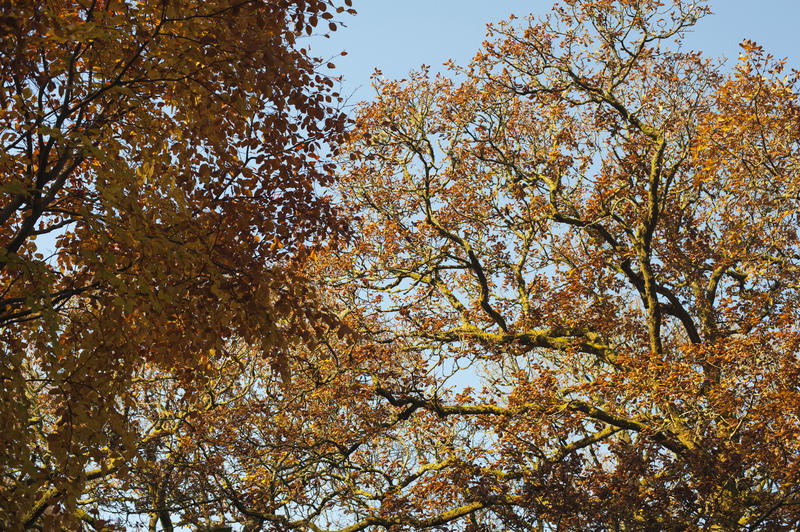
[[399, 36]]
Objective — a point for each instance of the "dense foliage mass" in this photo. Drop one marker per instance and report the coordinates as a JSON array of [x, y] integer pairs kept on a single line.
[[569, 300], [160, 165]]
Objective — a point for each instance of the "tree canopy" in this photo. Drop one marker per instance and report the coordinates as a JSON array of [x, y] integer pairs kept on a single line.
[[170, 157], [568, 299]]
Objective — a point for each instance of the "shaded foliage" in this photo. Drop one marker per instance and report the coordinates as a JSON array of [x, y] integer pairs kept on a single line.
[[169, 155]]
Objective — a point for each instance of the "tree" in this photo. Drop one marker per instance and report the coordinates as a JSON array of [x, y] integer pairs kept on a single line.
[[599, 229], [572, 301], [597, 233], [170, 154]]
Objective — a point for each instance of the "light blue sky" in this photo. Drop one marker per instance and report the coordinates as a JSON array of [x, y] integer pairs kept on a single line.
[[398, 36]]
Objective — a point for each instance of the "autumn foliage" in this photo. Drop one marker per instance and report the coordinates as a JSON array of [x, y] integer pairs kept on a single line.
[[569, 300], [602, 229], [161, 165]]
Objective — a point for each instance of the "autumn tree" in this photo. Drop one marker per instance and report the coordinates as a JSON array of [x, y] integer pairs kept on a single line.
[[162, 164], [597, 231], [572, 302]]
